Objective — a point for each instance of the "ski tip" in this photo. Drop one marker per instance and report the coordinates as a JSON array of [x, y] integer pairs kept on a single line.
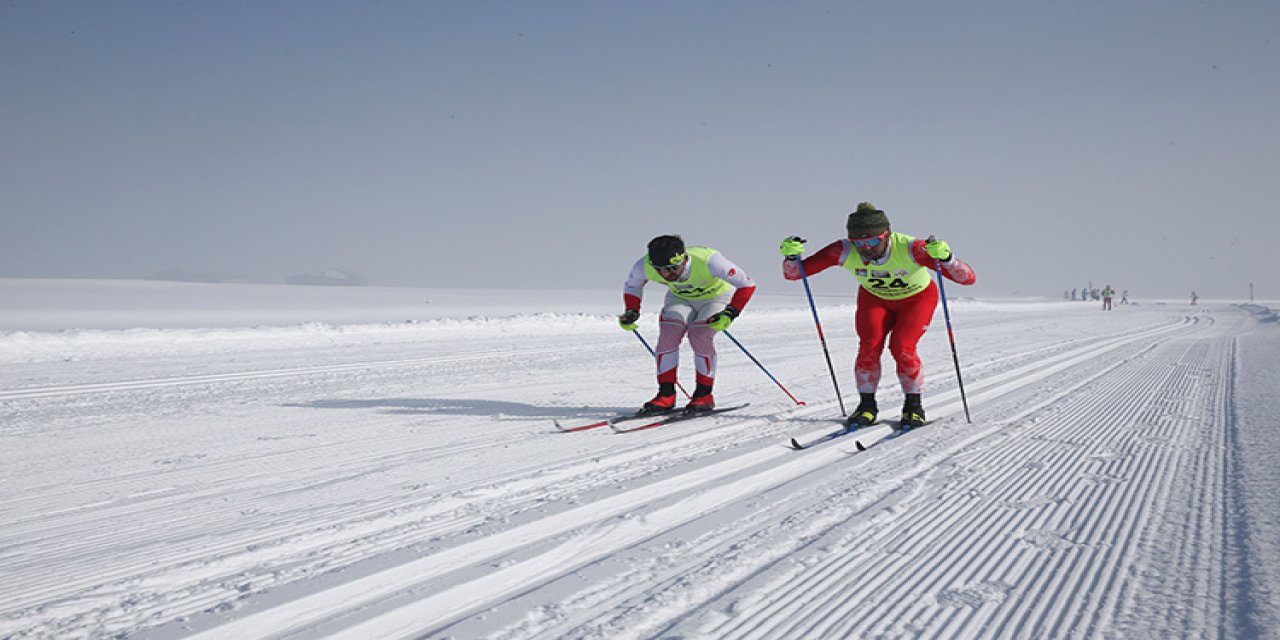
[[858, 443], [795, 444]]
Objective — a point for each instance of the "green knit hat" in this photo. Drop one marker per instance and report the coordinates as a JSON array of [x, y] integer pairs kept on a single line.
[[867, 221]]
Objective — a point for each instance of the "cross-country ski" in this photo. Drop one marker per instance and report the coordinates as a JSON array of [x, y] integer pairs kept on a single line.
[[659, 421]]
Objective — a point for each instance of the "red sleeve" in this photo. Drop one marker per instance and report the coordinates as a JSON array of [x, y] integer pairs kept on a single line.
[[825, 258], [630, 302], [741, 296], [954, 269]]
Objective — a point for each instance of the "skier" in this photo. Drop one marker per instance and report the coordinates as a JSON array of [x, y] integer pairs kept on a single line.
[[1194, 297], [706, 292], [896, 300], [1107, 294], [1124, 297]]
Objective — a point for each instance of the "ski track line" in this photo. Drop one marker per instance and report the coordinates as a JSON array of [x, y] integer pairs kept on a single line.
[[563, 625], [423, 615], [1060, 496], [1059, 609], [1200, 577], [85, 527], [1144, 483], [819, 592], [639, 449], [215, 527], [176, 476], [91, 538], [314, 608], [814, 590]]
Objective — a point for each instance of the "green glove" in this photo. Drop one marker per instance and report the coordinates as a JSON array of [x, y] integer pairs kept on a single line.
[[722, 320], [792, 247], [938, 249], [628, 319]]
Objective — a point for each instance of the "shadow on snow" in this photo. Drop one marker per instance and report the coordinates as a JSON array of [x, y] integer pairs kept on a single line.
[[461, 407]]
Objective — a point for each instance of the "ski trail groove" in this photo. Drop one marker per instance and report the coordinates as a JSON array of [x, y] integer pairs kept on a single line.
[[426, 615]]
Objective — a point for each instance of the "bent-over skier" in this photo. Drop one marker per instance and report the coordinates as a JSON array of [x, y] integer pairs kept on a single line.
[[705, 293], [896, 300]]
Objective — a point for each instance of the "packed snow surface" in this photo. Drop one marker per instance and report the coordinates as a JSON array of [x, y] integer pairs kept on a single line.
[[358, 463]]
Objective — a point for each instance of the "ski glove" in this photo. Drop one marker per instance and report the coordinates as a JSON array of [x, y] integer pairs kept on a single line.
[[628, 319], [722, 320], [792, 247], [938, 249]]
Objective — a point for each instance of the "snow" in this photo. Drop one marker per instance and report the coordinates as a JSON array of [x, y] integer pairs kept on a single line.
[[253, 461]]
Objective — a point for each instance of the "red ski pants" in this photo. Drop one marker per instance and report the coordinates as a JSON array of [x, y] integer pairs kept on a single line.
[[902, 323]]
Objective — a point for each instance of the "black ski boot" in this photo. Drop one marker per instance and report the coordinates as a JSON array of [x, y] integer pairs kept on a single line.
[[913, 412], [866, 413]]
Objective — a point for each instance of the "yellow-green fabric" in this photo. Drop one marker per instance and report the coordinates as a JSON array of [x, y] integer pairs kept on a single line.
[[700, 285], [898, 278]]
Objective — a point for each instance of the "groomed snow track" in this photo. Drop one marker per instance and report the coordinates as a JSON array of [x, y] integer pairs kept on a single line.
[[1085, 500]]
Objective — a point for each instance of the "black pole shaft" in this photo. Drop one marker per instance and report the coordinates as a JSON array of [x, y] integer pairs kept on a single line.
[[952, 337]]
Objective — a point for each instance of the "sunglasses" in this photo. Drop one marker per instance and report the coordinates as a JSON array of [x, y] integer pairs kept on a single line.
[[677, 261], [873, 241]]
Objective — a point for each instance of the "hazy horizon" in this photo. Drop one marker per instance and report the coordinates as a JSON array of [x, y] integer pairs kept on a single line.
[[466, 144]]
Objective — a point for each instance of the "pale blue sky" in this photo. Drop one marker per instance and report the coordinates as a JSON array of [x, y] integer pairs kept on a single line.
[[498, 144]]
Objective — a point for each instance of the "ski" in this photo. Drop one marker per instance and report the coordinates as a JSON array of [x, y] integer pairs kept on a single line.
[[797, 445], [898, 431], [609, 421], [677, 417], [581, 427]]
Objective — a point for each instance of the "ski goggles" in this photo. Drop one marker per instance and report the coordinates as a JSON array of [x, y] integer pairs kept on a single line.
[[677, 261], [873, 241]]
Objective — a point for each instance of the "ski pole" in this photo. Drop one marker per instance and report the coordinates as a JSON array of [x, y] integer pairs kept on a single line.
[[951, 336], [766, 371], [655, 356], [821, 338]]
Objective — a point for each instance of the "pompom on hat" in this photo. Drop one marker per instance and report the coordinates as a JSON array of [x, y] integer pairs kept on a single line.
[[867, 221]]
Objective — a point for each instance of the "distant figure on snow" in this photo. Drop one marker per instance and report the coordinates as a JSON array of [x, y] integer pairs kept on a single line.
[[705, 293], [1194, 297], [896, 300], [1107, 294], [1124, 297]]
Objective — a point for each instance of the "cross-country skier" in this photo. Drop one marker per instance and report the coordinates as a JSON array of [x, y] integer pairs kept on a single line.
[[705, 293], [896, 300], [1107, 294]]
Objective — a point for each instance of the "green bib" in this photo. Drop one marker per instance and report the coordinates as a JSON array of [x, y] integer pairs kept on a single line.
[[896, 279], [700, 285]]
